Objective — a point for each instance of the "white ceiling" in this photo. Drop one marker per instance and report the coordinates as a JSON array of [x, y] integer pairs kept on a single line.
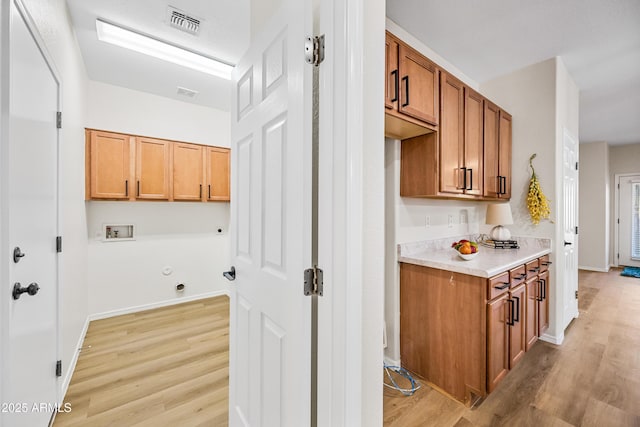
[[598, 40], [224, 35]]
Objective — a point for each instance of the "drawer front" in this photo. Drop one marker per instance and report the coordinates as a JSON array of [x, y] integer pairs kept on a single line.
[[533, 268], [498, 285], [544, 263], [517, 275]]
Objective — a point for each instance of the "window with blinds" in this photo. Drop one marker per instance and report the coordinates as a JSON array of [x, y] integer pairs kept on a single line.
[[635, 221]]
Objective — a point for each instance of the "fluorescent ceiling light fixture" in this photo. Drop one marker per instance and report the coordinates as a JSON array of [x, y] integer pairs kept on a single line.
[[149, 46]]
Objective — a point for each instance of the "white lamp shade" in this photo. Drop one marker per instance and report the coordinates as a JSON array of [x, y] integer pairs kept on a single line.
[[499, 214]]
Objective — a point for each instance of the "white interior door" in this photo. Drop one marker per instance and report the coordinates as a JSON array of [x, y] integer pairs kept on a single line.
[[629, 215], [33, 222], [569, 224], [270, 362]]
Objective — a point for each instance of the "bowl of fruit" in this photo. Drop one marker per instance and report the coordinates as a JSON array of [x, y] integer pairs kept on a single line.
[[466, 249]]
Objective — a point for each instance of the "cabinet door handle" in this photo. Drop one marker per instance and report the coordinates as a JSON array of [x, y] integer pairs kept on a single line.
[[534, 269], [464, 178], [126, 188], [547, 263], [470, 187], [544, 289], [200, 191], [505, 285], [517, 304], [511, 307], [405, 79], [521, 276], [209, 190], [396, 84], [138, 189], [504, 185], [539, 296]]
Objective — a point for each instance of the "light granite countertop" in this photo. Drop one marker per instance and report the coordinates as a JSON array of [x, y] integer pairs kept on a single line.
[[489, 262]]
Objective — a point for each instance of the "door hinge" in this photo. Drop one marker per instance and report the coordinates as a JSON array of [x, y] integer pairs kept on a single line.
[[59, 119], [59, 244], [576, 229], [313, 281], [576, 294], [59, 368], [576, 165], [314, 50]]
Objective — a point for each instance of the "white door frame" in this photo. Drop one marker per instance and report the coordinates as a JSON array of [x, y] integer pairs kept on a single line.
[[351, 213], [5, 182], [616, 215]]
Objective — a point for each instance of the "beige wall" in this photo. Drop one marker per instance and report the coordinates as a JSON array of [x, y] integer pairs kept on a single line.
[[543, 100], [623, 159], [594, 216]]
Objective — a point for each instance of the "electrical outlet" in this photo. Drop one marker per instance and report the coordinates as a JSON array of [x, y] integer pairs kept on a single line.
[[450, 221], [427, 221], [463, 218]]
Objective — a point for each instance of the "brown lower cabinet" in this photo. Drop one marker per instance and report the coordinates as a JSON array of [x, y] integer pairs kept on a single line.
[[464, 333], [505, 334]]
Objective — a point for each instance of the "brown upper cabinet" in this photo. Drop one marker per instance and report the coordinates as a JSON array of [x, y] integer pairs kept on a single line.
[[460, 138], [218, 173], [109, 164], [465, 151], [411, 91], [153, 168], [451, 135], [497, 152], [128, 167], [188, 167]]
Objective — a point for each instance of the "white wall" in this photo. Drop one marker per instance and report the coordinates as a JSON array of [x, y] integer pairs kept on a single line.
[[125, 110], [261, 12], [181, 235], [594, 207], [54, 24], [622, 159]]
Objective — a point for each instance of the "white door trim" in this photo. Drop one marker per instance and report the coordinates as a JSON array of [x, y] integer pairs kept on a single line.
[[616, 216], [351, 213], [5, 179]]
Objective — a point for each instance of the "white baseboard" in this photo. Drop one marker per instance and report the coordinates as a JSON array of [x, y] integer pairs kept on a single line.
[[72, 364], [557, 340], [601, 270], [391, 362], [137, 308]]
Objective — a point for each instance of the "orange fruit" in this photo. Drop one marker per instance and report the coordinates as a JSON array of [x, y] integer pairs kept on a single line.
[[465, 249]]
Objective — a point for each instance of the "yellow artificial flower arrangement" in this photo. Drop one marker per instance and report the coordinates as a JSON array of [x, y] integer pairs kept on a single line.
[[537, 202]]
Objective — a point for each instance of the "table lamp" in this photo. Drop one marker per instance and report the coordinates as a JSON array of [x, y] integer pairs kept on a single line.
[[499, 214]]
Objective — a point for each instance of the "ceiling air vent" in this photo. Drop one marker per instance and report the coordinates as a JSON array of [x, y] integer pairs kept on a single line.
[[183, 21], [183, 91]]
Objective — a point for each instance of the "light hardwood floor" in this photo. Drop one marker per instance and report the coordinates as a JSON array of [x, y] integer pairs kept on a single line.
[[162, 367], [592, 379]]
